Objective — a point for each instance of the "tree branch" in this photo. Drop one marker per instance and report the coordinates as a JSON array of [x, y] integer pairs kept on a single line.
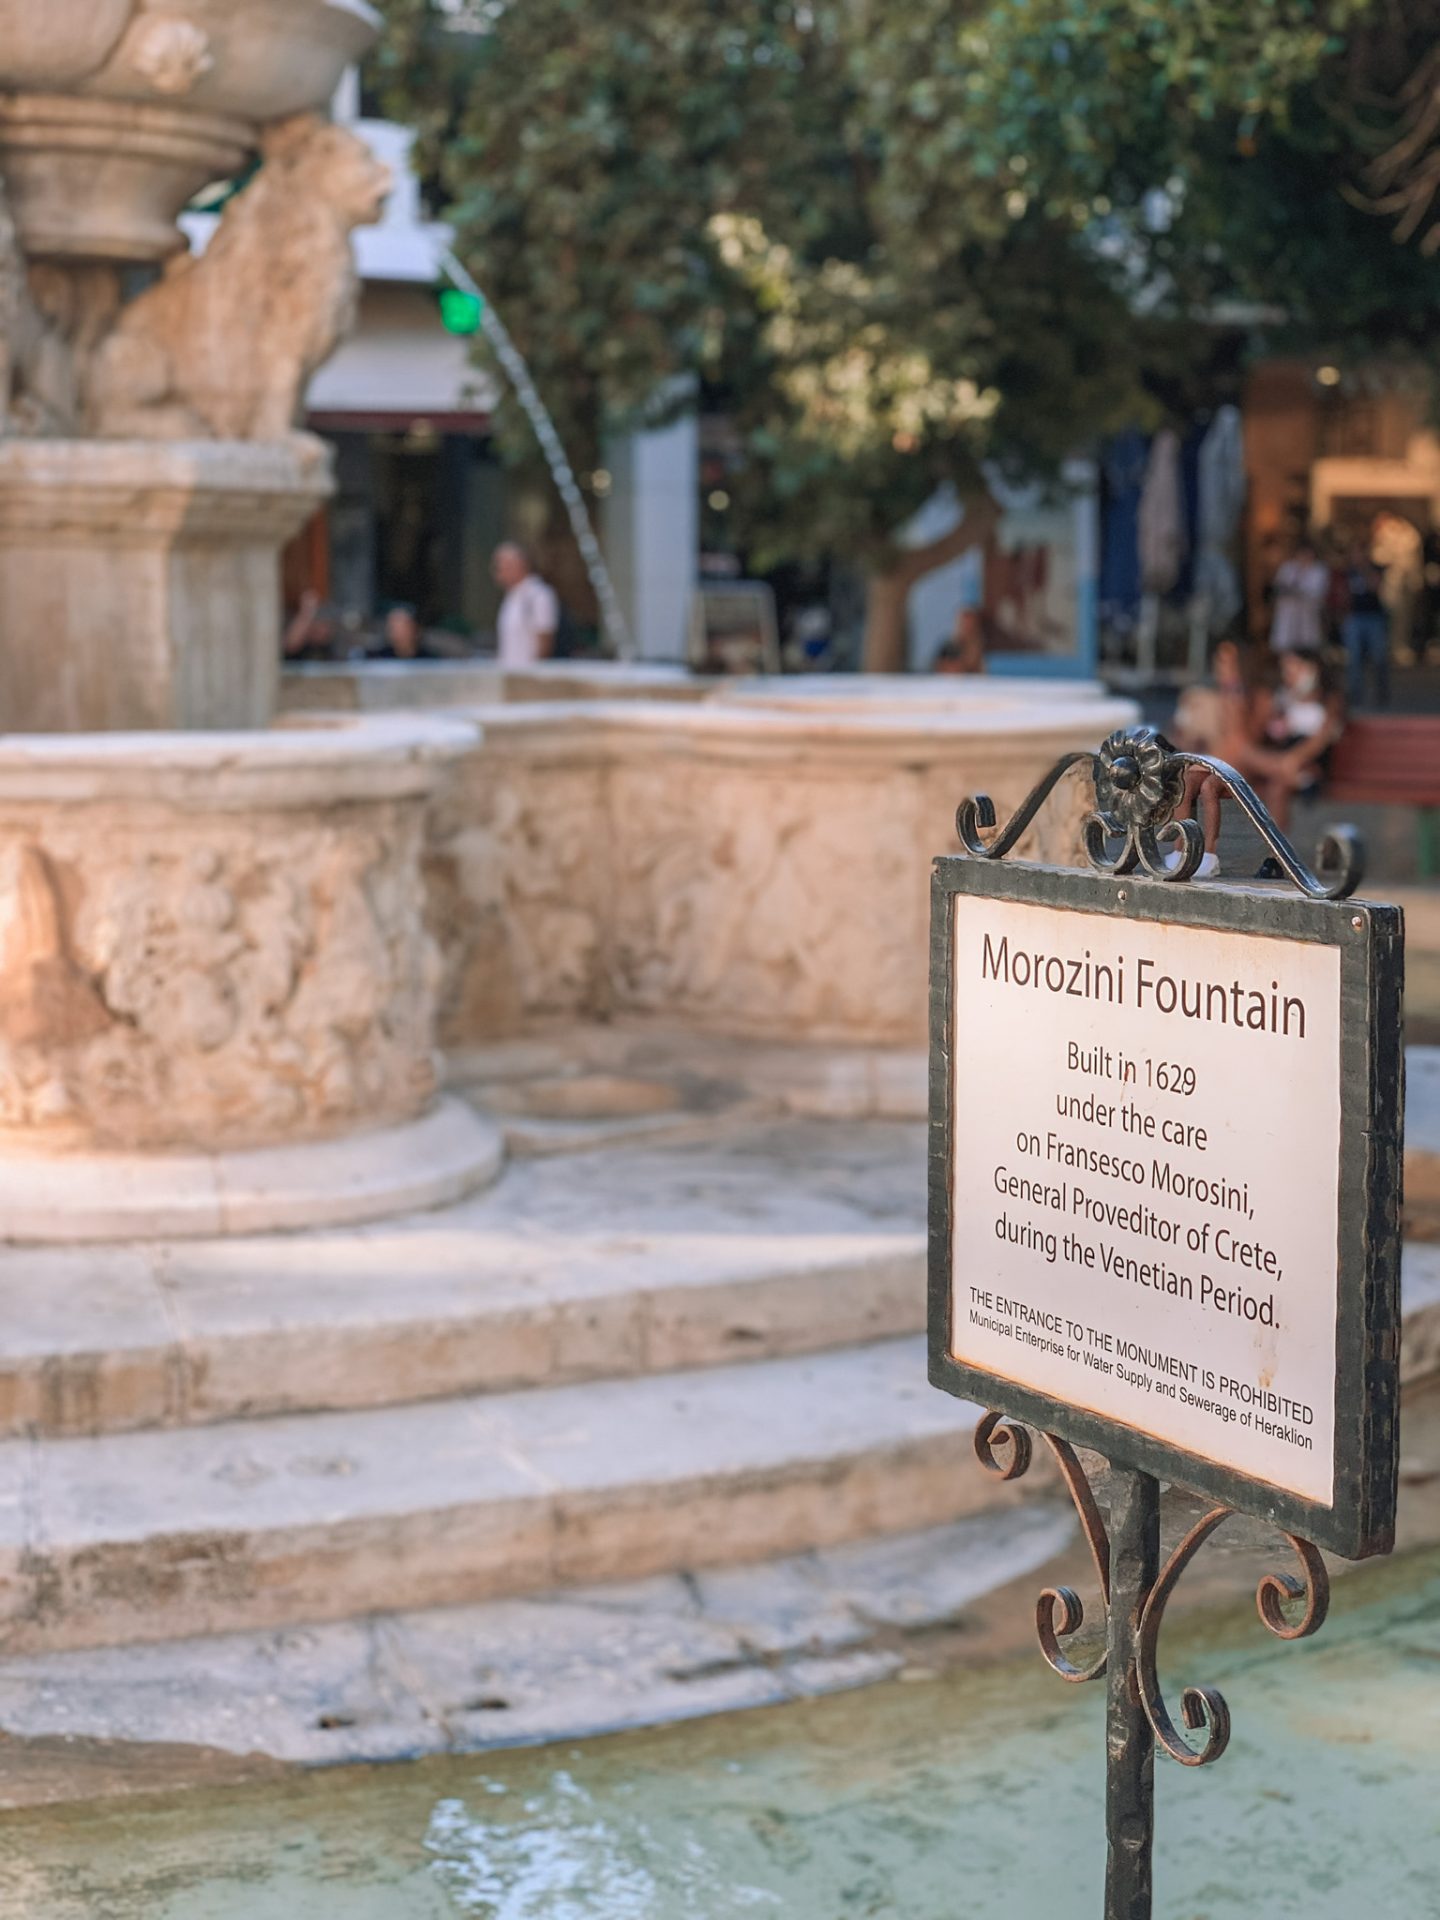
[[974, 530]]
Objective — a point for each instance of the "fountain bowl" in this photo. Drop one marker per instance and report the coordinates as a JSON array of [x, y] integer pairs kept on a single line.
[[113, 116]]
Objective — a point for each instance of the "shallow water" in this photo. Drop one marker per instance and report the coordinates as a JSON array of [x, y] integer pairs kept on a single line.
[[962, 1796]]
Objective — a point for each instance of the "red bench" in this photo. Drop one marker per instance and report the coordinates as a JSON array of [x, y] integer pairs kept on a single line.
[[1393, 760]]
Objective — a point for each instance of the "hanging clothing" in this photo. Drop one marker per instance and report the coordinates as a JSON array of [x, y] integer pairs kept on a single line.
[[1122, 476], [1162, 516], [1191, 442], [1222, 501]]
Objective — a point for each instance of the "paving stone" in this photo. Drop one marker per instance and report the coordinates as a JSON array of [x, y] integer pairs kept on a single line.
[[781, 1607], [929, 1578], [87, 1340], [315, 1694]]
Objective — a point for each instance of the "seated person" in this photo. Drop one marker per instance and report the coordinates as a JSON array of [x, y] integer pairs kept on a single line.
[[403, 638], [1278, 738], [1307, 716]]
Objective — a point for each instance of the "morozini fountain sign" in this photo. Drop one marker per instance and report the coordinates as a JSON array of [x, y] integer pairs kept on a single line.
[[1164, 1213]]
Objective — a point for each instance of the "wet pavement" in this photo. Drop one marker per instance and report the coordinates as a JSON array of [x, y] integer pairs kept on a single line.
[[930, 1798]]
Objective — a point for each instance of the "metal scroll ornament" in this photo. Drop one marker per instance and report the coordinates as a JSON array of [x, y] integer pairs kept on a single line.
[[1005, 1448], [1140, 781]]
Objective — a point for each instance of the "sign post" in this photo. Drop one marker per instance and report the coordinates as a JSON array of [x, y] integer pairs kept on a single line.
[[1164, 1212]]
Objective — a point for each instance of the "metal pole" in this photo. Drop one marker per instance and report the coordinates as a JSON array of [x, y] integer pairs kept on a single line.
[[1130, 1745]]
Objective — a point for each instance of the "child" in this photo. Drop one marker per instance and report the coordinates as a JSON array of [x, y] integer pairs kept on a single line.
[[1218, 720], [1307, 717]]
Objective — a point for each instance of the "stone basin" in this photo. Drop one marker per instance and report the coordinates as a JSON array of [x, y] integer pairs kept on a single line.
[[216, 940], [58, 45], [754, 865], [217, 987]]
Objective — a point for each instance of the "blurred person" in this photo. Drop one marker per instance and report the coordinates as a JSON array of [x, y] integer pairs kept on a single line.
[[1278, 738], [530, 612], [1299, 593], [1427, 629], [1217, 719], [312, 630], [964, 650], [1396, 548], [810, 647], [1306, 717], [1365, 629], [401, 638]]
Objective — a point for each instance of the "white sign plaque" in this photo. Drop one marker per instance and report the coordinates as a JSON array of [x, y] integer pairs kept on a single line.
[[1145, 1167]]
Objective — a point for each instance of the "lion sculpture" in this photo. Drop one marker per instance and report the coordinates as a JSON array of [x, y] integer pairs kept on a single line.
[[224, 345]]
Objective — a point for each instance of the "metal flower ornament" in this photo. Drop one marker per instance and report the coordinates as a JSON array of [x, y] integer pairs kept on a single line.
[[1139, 785], [1139, 780]]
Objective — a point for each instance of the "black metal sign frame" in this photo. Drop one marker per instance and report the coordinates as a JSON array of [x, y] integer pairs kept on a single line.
[[1360, 1521], [1138, 850]]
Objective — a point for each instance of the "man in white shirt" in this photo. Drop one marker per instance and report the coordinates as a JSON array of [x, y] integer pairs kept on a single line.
[[529, 613], [1302, 585]]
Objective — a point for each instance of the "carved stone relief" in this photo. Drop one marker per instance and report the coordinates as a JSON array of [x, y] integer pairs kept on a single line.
[[518, 876], [784, 895], [222, 982], [165, 51]]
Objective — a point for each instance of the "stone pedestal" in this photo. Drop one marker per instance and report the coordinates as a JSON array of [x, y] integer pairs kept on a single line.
[[139, 581], [217, 993]]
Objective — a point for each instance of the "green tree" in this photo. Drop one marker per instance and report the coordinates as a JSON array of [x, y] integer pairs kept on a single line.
[[1234, 152], [655, 196], [914, 244]]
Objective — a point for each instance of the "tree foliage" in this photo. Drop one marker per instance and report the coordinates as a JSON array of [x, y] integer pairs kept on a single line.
[[655, 195], [908, 244], [1223, 148]]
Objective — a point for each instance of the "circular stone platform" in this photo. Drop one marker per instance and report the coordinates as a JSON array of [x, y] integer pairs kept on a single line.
[[445, 1155]]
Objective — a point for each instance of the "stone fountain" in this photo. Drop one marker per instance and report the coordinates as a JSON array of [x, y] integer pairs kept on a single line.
[[152, 470], [217, 995]]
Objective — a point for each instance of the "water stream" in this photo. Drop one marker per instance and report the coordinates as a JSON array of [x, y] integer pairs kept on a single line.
[[517, 372]]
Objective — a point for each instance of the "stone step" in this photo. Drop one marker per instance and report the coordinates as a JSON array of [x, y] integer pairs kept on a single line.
[[265, 1523], [641, 1259], [553, 1666]]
